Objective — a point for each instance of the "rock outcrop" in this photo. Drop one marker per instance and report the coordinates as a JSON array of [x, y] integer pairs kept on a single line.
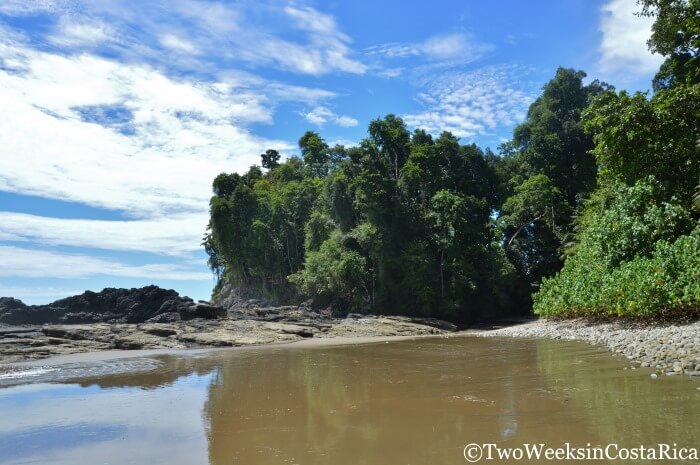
[[155, 318], [137, 305]]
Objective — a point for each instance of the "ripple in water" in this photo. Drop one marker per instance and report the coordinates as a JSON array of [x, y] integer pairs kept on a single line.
[[76, 371]]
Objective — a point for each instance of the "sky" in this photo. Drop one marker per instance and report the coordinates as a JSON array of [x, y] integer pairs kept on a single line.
[[117, 114]]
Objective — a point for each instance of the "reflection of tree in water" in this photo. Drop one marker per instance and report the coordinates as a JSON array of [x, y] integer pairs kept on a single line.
[[626, 407], [413, 402]]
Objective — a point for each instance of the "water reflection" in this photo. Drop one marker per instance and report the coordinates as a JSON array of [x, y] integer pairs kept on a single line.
[[416, 402], [421, 402]]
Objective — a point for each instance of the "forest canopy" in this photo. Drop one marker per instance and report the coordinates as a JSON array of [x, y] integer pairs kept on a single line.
[[589, 207]]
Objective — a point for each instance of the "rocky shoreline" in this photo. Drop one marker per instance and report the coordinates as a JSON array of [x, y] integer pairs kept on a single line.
[[238, 328], [671, 349], [155, 318]]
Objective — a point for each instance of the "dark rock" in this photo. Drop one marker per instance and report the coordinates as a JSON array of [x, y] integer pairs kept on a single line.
[[162, 332], [110, 305], [67, 332], [8, 304], [201, 310]]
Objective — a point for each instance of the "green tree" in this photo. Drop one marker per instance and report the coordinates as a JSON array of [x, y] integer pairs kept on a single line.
[[637, 137], [315, 153], [676, 36], [270, 159], [533, 222], [392, 138]]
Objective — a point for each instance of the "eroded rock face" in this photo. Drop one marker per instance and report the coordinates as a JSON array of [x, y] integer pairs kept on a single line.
[[137, 305]]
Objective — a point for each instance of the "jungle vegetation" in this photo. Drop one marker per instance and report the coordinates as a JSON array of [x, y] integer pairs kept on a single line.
[[590, 209]]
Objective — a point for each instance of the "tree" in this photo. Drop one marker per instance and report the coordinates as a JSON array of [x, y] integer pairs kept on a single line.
[[638, 250], [392, 138], [224, 184], [314, 151], [552, 140], [270, 159], [676, 36], [637, 137], [334, 274], [545, 174], [533, 222]]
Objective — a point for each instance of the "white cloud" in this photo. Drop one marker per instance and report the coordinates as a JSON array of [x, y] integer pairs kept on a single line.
[[623, 48], [320, 115], [33, 263], [346, 121], [313, 20], [239, 32], [327, 48], [81, 31], [177, 235], [473, 103], [458, 46], [390, 73], [177, 44], [177, 136]]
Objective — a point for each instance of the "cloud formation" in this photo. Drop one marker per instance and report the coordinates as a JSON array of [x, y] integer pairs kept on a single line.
[[96, 131], [33, 263], [172, 235], [239, 32], [473, 103], [457, 46], [321, 115], [623, 47]]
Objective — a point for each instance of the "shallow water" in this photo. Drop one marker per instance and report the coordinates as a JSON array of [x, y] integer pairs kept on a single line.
[[407, 402]]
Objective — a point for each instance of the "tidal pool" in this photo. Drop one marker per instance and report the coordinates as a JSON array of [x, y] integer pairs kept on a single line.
[[407, 402]]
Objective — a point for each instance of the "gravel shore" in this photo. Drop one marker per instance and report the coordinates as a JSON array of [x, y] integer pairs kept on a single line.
[[672, 349]]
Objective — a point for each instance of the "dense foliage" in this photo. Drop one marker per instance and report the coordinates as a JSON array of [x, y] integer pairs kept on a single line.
[[401, 223], [592, 206], [639, 244]]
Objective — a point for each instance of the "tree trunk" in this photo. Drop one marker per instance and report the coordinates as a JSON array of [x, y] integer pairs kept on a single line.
[[442, 274]]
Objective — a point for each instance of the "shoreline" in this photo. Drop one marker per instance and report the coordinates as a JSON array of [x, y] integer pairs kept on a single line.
[[26, 344], [671, 349]]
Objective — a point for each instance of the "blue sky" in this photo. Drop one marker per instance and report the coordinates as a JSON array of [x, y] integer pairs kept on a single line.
[[118, 114]]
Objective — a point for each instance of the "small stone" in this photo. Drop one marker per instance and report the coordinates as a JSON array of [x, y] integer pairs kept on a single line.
[[654, 375]]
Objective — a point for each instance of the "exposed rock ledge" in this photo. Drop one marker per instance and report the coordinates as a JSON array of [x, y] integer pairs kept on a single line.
[[153, 318]]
